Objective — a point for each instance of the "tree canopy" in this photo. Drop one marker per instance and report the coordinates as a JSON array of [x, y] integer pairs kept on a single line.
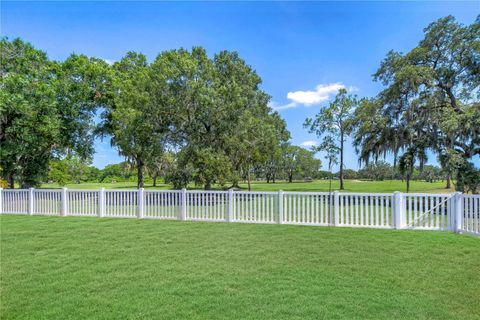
[[46, 109], [190, 117], [334, 123], [217, 115], [210, 113], [430, 102]]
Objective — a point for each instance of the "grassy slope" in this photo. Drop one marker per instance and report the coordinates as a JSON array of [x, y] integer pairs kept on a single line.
[[63, 268], [319, 185]]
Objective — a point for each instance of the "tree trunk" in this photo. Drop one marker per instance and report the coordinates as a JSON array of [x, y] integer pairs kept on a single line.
[[208, 185], [460, 187], [11, 182], [140, 166], [407, 179], [155, 181], [268, 178], [290, 177], [273, 178], [449, 181], [249, 180], [341, 161], [395, 155]]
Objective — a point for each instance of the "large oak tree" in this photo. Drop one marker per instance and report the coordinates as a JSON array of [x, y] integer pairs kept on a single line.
[[46, 109], [431, 101]]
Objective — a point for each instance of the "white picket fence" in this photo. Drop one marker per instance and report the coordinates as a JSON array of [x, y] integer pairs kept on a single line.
[[456, 212]]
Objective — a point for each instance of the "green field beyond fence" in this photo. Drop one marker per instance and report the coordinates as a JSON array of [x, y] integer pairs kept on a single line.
[[318, 185]]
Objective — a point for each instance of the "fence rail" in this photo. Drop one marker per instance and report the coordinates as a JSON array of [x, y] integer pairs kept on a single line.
[[456, 212]]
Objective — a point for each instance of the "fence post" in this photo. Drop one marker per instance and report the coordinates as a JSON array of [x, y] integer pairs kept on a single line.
[[64, 201], [140, 203], [336, 208], [183, 209], [229, 217], [101, 202], [30, 201], [458, 212], [1, 200], [280, 207], [399, 210]]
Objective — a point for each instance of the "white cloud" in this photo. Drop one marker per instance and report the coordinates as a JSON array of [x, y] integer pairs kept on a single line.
[[322, 92], [308, 143], [276, 107]]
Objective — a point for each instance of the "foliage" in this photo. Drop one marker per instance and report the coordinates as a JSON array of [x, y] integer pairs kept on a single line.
[[331, 150], [31, 127], [72, 169], [116, 172], [217, 116], [431, 102], [299, 162], [213, 116], [430, 173], [322, 174], [377, 171], [469, 178], [3, 183], [160, 166], [179, 177], [334, 121], [58, 172], [93, 174], [256, 142], [46, 109], [84, 86], [206, 166], [350, 174], [130, 118]]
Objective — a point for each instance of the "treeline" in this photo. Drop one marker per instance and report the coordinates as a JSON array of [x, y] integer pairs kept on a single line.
[[185, 116], [381, 170], [430, 103], [297, 164], [210, 119], [307, 168]]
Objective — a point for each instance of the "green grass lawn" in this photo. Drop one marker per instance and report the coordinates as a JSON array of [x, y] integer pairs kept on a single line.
[[318, 185], [90, 268]]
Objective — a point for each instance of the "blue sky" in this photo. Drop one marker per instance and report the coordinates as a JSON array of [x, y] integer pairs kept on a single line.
[[303, 51]]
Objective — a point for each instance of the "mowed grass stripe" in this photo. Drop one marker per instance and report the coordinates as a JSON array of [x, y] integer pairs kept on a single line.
[[70, 268]]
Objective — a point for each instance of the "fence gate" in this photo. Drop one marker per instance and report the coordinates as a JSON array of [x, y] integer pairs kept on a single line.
[[429, 211]]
